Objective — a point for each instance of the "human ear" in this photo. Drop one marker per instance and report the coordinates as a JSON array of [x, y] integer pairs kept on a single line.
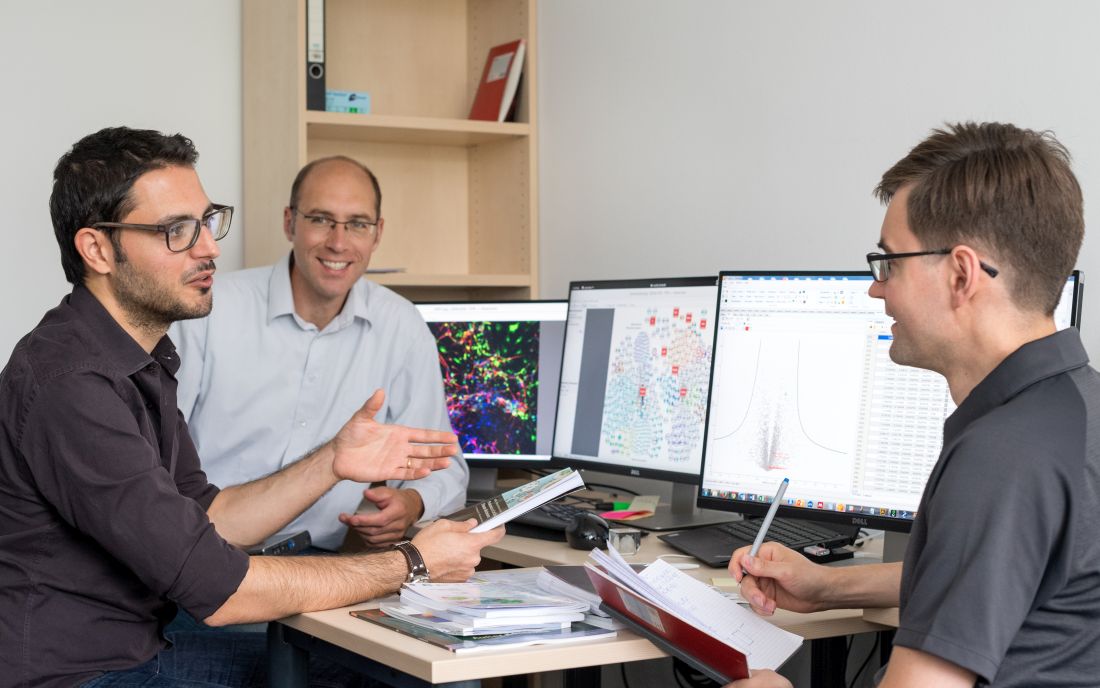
[[288, 223], [966, 273], [95, 248]]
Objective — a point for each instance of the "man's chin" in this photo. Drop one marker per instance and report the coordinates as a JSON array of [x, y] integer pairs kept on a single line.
[[200, 310]]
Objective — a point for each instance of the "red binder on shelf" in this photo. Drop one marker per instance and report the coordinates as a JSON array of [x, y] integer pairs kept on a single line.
[[496, 92], [700, 650]]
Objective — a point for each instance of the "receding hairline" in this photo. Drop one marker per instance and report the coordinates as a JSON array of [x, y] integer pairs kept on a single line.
[[308, 171]]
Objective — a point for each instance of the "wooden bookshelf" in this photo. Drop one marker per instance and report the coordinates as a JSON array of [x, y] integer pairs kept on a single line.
[[459, 196]]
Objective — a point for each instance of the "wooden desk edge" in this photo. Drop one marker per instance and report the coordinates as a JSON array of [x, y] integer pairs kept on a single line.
[[887, 617]]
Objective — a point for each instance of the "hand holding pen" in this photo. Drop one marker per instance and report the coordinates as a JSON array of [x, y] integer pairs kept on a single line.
[[763, 532]]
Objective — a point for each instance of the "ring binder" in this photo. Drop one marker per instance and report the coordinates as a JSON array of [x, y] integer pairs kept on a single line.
[[315, 55]]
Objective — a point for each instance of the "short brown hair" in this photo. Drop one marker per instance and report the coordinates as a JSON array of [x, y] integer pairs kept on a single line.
[[1004, 190]]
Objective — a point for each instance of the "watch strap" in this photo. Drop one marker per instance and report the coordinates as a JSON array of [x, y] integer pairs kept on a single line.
[[418, 570]]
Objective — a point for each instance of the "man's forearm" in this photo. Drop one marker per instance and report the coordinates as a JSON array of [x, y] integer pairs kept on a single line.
[[246, 514], [275, 587], [869, 585]]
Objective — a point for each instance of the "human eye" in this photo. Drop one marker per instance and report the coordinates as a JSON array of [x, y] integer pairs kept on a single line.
[[180, 229], [361, 226], [319, 220]]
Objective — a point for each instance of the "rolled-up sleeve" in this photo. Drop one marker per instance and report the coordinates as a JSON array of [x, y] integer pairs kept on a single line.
[[95, 460]]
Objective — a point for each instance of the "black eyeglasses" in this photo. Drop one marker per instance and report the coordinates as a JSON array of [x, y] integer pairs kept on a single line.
[[880, 262], [357, 226], [181, 235]]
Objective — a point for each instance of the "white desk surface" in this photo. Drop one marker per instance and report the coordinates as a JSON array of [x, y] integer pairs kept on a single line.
[[437, 665]]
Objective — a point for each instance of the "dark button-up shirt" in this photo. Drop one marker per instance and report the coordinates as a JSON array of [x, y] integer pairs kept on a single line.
[[103, 504]]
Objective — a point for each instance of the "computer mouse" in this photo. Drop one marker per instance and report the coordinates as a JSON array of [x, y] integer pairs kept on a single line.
[[586, 531]]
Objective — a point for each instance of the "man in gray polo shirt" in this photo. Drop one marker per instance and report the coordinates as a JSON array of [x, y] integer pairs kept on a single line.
[[1001, 582]]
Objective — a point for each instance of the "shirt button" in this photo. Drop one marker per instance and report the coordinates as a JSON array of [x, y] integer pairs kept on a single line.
[[301, 423]]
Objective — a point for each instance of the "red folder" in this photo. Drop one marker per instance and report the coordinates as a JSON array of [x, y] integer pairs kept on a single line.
[[499, 81], [672, 634]]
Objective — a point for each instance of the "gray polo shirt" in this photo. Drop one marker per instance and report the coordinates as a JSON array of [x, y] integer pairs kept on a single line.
[[1002, 575]]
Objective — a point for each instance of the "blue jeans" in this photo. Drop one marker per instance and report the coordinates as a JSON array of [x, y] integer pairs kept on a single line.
[[223, 659]]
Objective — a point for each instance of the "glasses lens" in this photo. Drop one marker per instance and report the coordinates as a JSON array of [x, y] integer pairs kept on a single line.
[[360, 228], [879, 268], [218, 222], [181, 235]]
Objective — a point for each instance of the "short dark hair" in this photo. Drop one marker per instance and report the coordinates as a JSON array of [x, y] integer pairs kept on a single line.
[[300, 178], [1005, 190], [92, 182]]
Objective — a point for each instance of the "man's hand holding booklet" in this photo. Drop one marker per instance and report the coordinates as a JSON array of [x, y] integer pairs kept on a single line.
[[502, 508]]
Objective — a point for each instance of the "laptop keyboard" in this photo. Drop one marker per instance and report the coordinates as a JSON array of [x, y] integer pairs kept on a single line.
[[795, 534]]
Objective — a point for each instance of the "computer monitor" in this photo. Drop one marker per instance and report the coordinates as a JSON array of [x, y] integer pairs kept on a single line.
[[802, 387], [634, 375], [500, 363]]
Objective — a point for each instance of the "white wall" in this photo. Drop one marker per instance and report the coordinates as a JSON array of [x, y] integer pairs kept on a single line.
[[675, 137], [679, 138], [73, 67]]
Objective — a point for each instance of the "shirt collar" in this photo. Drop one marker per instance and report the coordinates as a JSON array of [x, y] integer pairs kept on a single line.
[[126, 352], [1033, 362], [280, 298]]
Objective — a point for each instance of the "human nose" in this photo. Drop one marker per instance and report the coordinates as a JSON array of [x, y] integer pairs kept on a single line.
[[337, 235], [877, 290], [206, 246]]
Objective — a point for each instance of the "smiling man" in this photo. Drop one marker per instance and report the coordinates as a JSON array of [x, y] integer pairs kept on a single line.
[[107, 522], [1000, 585], [290, 351]]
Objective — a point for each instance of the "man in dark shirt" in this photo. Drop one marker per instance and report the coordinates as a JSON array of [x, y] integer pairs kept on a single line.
[[107, 521], [1000, 584]]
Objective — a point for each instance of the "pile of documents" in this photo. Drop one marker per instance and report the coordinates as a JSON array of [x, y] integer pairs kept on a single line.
[[481, 614], [688, 618]]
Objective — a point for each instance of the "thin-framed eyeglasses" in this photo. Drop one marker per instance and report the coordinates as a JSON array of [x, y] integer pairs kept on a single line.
[[356, 226], [880, 262], [181, 235]]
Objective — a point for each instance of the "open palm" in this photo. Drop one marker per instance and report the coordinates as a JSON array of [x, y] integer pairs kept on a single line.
[[368, 451]]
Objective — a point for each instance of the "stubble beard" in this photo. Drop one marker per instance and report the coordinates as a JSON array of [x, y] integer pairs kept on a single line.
[[149, 305]]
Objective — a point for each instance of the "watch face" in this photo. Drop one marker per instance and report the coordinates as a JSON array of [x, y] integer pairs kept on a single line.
[[418, 578]]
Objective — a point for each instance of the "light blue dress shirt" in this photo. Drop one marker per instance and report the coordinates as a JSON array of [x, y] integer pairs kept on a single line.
[[260, 387]]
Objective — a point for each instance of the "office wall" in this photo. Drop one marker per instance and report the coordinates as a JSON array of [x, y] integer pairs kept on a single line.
[[679, 138], [73, 67]]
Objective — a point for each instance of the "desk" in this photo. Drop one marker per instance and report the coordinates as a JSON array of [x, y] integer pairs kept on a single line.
[[404, 661]]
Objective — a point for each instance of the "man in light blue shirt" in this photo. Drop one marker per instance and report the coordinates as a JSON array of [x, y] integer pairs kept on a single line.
[[291, 351]]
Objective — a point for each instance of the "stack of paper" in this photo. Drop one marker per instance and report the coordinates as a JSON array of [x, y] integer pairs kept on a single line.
[[689, 618], [479, 614]]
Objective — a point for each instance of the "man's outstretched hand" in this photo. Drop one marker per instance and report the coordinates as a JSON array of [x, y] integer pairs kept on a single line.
[[367, 451]]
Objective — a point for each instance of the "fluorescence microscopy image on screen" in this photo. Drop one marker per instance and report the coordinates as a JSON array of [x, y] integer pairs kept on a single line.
[[490, 379]]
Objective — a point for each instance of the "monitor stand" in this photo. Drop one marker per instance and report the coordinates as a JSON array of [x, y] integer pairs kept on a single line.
[[682, 514], [483, 484]]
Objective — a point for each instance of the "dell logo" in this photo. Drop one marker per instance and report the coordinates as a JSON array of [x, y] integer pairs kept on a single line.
[[635, 472], [859, 521]]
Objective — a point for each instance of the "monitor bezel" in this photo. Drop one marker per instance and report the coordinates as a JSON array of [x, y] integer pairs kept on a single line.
[[881, 522], [761, 508], [498, 462], [559, 461]]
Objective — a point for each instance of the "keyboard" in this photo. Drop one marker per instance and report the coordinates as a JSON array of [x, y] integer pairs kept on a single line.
[[714, 545], [552, 516]]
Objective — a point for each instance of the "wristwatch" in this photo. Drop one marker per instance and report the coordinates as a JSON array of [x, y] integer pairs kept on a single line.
[[418, 570]]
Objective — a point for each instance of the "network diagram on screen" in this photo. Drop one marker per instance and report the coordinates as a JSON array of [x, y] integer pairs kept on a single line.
[[634, 375]]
